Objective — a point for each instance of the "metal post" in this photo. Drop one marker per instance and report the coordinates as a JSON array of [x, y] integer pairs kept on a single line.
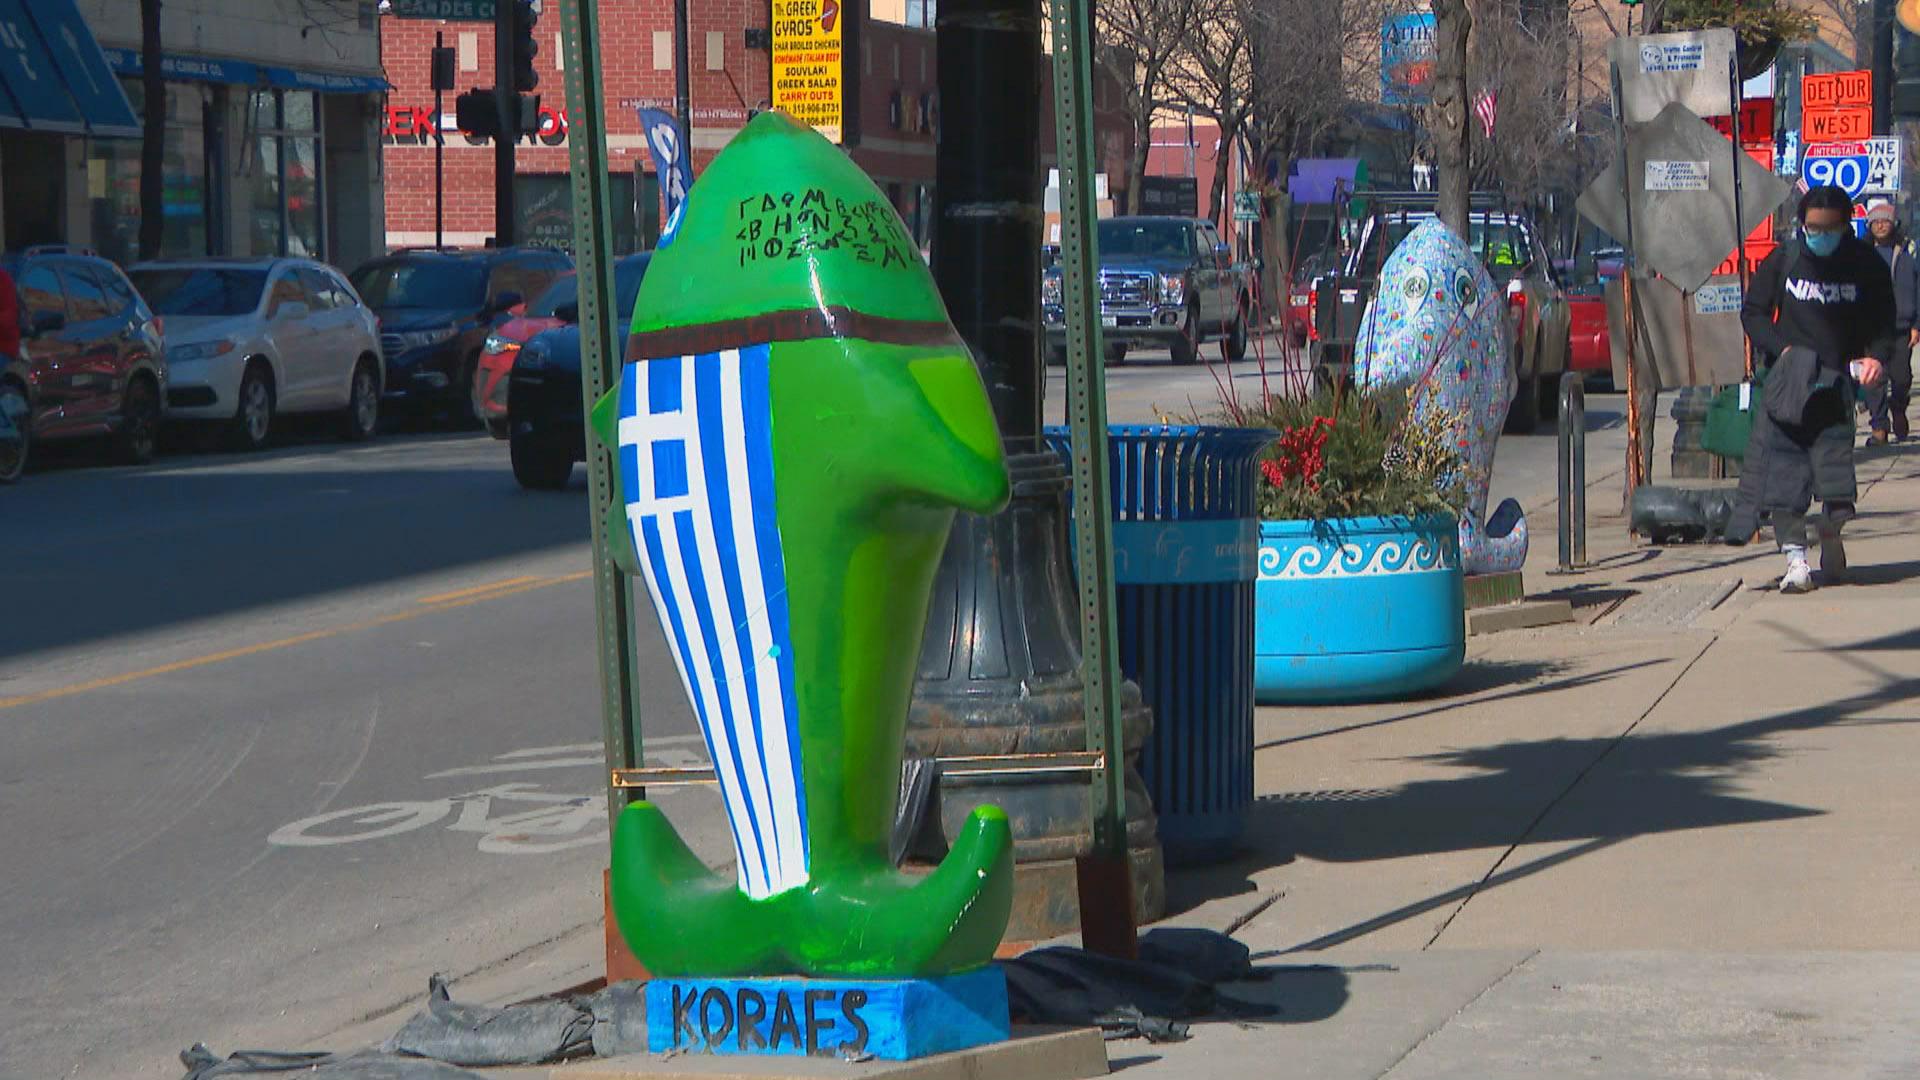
[[1636, 465], [439, 154], [593, 250], [1573, 472], [682, 78], [506, 103], [1109, 927]]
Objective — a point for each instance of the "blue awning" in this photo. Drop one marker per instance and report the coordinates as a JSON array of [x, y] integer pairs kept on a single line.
[[246, 73], [54, 76]]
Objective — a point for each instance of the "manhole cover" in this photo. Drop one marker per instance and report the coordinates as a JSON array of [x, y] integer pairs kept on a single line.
[[1672, 606]]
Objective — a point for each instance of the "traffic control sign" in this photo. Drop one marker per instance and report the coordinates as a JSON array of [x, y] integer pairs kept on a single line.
[[1859, 167]]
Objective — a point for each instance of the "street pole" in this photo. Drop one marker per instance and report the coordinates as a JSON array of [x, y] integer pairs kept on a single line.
[[439, 152], [682, 79], [507, 105], [1001, 659], [1883, 67]]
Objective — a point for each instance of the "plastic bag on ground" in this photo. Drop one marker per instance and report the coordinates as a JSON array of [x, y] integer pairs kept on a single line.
[[1175, 979]]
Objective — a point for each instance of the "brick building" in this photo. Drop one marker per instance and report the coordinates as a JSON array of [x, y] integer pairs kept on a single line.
[[270, 146], [892, 109]]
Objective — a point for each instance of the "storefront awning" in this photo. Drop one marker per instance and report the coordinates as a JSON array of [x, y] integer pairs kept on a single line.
[[246, 73], [54, 76]]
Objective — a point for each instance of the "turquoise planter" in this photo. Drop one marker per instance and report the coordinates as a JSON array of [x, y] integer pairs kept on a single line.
[[1357, 609]]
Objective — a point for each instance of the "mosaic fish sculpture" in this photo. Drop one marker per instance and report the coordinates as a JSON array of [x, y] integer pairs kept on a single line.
[[795, 426], [1437, 309]]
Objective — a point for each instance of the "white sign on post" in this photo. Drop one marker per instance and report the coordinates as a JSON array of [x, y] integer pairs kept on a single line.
[[1693, 68], [1677, 175]]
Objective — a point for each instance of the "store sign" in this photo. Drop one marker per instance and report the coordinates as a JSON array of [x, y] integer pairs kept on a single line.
[[808, 65], [469, 10], [1406, 59], [413, 126], [1860, 167]]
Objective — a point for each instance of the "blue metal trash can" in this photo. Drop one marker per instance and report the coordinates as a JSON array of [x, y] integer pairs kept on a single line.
[[1186, 538]]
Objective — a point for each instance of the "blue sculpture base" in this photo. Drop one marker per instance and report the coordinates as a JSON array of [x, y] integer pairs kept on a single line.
[[891, 1019]]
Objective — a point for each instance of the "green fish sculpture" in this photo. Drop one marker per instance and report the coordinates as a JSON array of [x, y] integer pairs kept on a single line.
[[795, 426]]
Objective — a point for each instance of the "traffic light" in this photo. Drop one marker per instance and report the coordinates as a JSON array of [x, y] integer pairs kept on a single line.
[[477, 113], [524, 47]]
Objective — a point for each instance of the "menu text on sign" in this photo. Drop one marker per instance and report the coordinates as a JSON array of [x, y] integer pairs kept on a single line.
[[808, 68]]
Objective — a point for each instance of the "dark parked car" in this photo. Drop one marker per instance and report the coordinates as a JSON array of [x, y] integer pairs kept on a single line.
[[436, 309], [547, 431], [1165, 282], [91, 361]]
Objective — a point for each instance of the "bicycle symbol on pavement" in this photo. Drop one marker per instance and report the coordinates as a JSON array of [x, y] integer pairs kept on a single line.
[[539, 823]]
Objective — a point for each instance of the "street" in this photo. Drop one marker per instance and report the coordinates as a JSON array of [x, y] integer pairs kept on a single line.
[[283, 734]]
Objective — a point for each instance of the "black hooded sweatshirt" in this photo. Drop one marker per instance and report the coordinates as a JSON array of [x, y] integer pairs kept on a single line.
[[1841, 307]]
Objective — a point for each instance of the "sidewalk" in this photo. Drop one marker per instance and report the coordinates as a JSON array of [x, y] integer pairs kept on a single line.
[[1677, 838], [1674, 839]]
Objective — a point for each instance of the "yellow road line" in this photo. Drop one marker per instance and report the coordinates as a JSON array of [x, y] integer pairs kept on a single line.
[[461, 600], [439, 598]]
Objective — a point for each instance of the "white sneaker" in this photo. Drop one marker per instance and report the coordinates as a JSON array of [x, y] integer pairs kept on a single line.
[[1799, 577]]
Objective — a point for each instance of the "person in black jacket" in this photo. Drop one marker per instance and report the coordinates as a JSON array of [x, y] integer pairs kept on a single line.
[[1889, 403], [1820, 314]]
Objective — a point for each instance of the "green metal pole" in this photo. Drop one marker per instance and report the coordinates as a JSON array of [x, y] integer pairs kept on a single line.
[[593, 258], [1106, 892]]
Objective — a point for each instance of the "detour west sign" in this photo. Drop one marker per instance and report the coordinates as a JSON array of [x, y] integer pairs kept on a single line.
[[807, 65]]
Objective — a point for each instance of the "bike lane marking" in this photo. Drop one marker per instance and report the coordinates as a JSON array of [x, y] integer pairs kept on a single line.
[[557, 821], [255, 649]]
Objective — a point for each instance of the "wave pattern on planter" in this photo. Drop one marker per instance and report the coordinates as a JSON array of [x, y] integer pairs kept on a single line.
[[1398, 587]]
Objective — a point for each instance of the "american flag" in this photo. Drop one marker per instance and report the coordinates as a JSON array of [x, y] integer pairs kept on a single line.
[[696, 457], [1487, 107]]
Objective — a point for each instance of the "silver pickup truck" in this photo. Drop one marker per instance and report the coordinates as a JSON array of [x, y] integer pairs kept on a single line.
[[1165, 282]]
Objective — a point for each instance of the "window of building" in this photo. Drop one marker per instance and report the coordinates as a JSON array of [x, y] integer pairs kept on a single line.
[[921, 13], [283, 173], [189, 184]]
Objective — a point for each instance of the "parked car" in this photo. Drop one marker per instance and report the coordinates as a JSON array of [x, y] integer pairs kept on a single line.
[[250, 339], [1591, 351], [546, 424], [91, 360], [501, 346], [1300, 293], [1505, 241], [1164, 282], [436, 309]]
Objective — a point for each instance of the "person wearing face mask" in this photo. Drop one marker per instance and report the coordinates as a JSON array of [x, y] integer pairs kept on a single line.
[[1888, 410], [1820, 313]]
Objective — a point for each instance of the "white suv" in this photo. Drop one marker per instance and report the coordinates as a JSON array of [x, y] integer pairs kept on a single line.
[[248, 339]]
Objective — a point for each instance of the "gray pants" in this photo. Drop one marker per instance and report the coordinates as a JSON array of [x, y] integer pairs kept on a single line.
[[1790, 527], [1887, 403]]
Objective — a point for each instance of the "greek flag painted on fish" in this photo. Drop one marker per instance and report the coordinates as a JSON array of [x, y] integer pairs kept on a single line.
[[696, 449]]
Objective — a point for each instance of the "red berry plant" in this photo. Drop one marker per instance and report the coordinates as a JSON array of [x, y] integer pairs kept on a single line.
[[1352, 452]]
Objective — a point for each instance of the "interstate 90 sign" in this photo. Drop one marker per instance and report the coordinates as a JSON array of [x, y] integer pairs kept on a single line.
[[1859, 167]]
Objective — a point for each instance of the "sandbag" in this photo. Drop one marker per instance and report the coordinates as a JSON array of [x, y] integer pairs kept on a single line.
[[531, 1033], [204, 1064], [619, 1019]]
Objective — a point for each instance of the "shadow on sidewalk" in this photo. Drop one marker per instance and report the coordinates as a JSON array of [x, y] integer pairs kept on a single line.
[[1477, 678], [1645, 784]]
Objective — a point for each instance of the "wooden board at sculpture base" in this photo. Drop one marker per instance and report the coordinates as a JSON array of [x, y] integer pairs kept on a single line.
[[1030, 1054]]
